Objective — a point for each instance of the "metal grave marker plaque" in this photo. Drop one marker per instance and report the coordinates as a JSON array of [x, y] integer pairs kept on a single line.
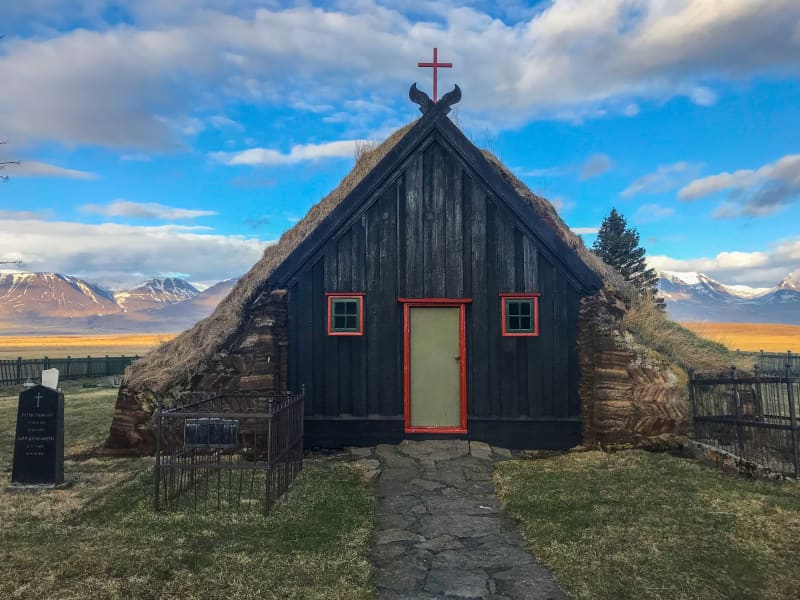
[[210, 433]]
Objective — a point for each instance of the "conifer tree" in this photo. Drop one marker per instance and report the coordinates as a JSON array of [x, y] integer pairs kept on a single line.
[[618, 245]]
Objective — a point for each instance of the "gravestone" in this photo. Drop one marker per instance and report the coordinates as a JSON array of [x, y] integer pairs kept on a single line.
[[39, 442]]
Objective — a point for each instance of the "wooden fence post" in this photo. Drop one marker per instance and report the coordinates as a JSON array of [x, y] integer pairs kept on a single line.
[[157, 498], [270, 456], [793, 418], [737, 404], [67, 369], [692, 397], [19, 370], [759, 399]]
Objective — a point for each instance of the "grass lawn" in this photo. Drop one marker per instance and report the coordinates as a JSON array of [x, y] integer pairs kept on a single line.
[[646, 526], [99, 538]]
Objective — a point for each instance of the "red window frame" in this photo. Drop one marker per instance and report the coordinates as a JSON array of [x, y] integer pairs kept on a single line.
[[346, 296], [535, 298]]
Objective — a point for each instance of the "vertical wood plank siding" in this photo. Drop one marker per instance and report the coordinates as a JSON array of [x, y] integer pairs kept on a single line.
[[435, 231]]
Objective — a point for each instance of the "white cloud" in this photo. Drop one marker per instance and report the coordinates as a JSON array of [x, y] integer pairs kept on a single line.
[[703, 96], [24, 215], [144, 210], [545, 172], [30, 168], [141, 83], [595, 165], [298, 153], [648, 213], [223, 122], [753, 193], [664, 179], [119, 255], [759, 268], [584, 230], [631, 110], [136, 157], [561, 204]]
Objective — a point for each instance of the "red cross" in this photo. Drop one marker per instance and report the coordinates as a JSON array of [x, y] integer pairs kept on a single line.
[[435, 64]]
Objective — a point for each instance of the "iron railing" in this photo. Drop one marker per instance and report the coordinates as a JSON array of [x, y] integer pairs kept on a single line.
[[753, 417], [228, 451]]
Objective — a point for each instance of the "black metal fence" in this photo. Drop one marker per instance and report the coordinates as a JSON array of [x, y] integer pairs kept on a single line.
[[228, 451], [18, 371], [753, 417], [773, 361]]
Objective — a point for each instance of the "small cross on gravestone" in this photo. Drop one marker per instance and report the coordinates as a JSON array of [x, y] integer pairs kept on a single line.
[[39, 441]]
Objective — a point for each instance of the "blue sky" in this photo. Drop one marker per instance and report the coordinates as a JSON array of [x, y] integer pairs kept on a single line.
[[180, 138]]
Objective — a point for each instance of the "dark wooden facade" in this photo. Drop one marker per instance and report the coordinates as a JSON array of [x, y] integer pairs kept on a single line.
[[435, 220]]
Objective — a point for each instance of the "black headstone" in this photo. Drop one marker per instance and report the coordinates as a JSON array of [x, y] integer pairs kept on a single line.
[[39, 443]]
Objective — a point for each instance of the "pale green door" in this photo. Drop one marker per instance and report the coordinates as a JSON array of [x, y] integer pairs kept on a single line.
[[434, 367]]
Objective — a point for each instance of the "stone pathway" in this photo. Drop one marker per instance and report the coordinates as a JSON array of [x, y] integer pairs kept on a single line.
[[440, 532]]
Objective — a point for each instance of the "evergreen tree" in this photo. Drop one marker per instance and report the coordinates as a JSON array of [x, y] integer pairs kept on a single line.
[[618, 245]]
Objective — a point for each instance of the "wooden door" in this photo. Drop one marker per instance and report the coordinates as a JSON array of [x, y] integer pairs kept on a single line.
[[435, 369]]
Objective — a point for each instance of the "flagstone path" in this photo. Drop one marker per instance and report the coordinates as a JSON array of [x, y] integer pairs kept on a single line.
[[440, 532]]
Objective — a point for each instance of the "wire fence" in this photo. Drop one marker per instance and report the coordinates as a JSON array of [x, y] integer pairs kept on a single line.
[[18, 371], [753, 417], [228, 451]]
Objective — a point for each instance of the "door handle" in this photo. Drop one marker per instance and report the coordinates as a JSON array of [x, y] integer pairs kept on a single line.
[[457, 358]]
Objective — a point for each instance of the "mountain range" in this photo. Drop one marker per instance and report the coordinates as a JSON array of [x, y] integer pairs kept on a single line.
[[32, 303], [692, 296]]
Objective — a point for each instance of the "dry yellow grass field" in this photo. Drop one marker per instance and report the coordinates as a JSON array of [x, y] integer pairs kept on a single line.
[[77, 345], [750, 336]]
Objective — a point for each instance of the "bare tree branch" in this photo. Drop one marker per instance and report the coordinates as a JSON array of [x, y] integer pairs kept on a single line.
[[5, 163]]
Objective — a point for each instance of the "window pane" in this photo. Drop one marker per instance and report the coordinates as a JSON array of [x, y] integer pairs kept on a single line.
[[345, 314], [519, 315]]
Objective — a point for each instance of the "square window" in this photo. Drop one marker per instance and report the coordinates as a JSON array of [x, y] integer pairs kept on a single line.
[[520, 314], [345, 314]]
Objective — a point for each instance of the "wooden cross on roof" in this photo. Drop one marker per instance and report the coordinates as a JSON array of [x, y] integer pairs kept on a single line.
[[435, 64]]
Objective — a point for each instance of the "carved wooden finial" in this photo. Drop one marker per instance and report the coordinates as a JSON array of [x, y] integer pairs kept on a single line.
[[419, 97], [426, 104]]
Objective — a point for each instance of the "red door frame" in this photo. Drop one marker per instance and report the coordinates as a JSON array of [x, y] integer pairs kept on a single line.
[[461, 304]]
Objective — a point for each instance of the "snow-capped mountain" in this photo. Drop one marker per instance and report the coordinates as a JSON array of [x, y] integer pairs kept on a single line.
[[52, 302], [692, 296], [156, 293], [172, 317], [52, 295]]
